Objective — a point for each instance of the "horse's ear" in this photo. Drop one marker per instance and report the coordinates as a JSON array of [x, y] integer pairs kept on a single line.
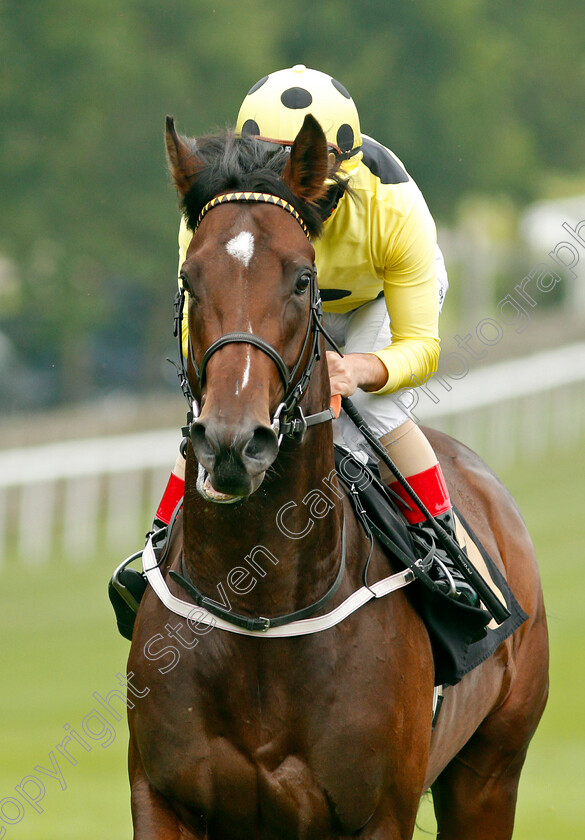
[[183, 162], [307, 168]]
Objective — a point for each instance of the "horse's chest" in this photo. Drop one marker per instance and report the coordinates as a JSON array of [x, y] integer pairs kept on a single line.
[[301, 737], [300, 776]]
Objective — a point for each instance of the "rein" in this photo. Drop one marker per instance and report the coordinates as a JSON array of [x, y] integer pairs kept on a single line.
[[261, 623], [288, 419]]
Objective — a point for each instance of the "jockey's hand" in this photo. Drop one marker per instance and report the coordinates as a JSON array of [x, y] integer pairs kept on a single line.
[[356, 370]]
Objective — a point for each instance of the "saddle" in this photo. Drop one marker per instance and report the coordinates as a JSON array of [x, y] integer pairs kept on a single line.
[[461, 636]]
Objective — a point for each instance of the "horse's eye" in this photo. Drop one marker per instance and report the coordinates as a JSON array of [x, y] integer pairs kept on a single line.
[[302, 283], [185, 284]]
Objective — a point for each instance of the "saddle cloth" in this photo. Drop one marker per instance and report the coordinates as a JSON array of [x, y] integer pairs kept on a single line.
[[461, 636]]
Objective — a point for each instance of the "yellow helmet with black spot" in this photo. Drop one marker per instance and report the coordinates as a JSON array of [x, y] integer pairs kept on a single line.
[[275, 107]]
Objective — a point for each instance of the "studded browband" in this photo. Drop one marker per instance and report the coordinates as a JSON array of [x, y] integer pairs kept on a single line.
[[265, 198]]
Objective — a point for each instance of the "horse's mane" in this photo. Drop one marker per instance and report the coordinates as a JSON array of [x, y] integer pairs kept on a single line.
[[233, 163]]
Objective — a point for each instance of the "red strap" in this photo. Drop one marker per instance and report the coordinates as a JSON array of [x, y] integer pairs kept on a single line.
[[173, 494], [431, 489]]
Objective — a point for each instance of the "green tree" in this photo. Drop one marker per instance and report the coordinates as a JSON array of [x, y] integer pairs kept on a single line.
[[476, 96]]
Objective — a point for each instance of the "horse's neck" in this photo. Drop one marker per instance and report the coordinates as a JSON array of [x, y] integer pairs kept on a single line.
[[280, 549]]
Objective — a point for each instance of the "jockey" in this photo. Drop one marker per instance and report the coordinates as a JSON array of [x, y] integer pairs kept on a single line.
[[382, 280]]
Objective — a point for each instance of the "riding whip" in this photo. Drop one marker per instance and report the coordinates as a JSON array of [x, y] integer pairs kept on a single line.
[[491, 602]]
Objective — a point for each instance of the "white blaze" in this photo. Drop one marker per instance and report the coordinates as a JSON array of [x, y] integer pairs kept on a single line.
[[246, 377], [241, 247]]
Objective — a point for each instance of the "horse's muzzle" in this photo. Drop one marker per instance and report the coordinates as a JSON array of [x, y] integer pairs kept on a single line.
[[234, 460]]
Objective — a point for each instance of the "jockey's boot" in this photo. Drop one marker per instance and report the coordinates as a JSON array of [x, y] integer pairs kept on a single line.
[[125, 590], [430, 487], [126, 586], [444, 572]]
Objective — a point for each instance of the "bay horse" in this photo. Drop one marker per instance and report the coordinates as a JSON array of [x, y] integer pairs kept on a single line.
[[326, 735]]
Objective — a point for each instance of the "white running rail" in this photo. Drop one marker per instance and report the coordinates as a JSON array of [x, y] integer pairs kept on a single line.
[[76, 497]]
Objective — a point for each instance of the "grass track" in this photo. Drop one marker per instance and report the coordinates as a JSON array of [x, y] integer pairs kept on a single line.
[[551, 801], [59, 646]]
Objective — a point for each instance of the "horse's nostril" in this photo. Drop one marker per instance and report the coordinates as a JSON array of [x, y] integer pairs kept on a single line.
[[228, 453], [202, 445], [262, 447]]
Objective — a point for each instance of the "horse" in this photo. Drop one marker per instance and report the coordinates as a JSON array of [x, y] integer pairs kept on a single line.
[[325, 735]]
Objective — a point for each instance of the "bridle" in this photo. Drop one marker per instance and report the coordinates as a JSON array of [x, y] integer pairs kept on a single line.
[[288, 419]]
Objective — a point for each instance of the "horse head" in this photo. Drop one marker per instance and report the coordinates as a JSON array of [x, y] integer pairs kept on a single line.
[[249, 275]]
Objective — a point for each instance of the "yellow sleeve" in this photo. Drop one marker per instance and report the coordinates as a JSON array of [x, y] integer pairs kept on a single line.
[[185, 236], [412, 298]]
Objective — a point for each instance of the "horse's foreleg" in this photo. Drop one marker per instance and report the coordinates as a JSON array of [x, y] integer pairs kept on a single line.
[[152, 817]]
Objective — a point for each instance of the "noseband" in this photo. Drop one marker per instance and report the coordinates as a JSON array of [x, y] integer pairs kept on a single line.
[[288, 419]]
